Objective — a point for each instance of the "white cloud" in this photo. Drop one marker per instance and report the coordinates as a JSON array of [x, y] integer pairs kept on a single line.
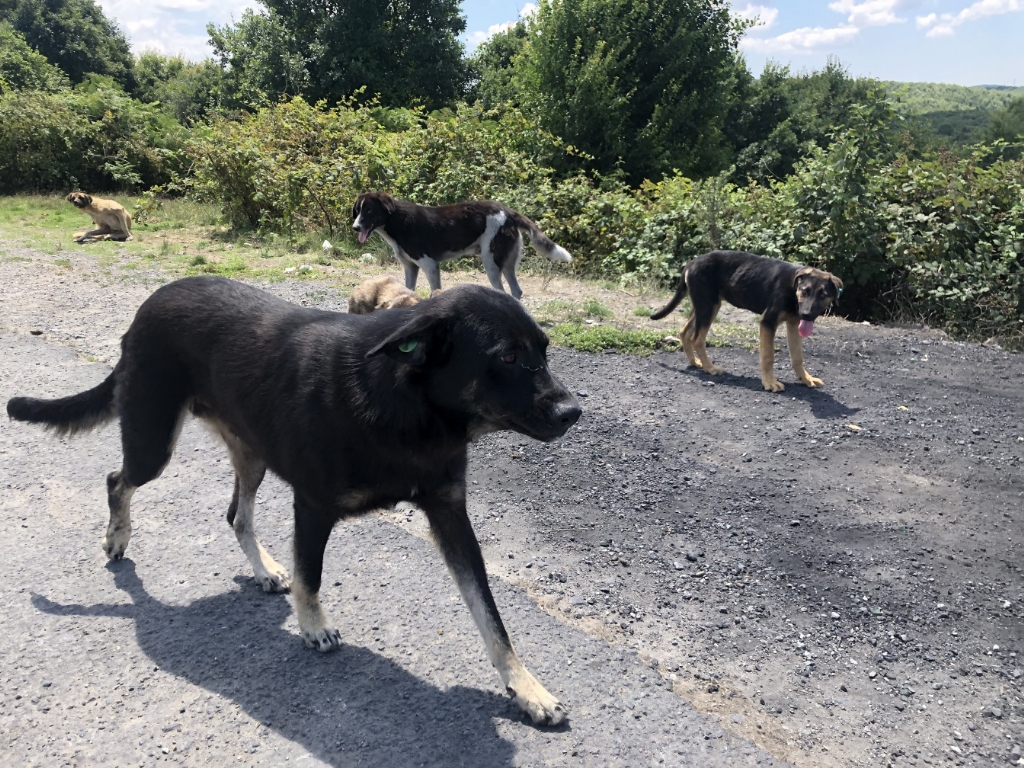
[[803, 40], [765, 15], [859, 15], [474, 39], [946, 24], [871, 13], [173, 26]]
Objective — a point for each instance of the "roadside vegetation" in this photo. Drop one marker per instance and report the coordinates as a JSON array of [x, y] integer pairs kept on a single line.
[[636, 157]]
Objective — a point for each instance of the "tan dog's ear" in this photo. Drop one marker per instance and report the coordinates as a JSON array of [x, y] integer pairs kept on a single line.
[[802, 272], [836, 282], [70, 197]]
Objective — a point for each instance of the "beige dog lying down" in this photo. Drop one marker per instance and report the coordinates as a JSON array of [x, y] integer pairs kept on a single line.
[[112, 221], [381, 292]]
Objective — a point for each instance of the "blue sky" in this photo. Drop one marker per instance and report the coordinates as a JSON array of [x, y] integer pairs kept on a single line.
[[969, 42]]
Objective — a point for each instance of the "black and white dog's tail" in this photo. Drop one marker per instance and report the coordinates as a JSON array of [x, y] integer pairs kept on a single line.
[[678, 297], [544, 244], [68, 415]]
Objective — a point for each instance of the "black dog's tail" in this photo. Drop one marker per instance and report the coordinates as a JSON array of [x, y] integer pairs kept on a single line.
[[68, 415], [679, 296]]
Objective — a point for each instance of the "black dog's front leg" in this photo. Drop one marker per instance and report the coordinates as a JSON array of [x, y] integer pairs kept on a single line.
[[446, 511], [312, 529]]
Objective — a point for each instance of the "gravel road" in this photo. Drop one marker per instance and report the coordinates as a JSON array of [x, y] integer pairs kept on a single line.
[[706, 573]]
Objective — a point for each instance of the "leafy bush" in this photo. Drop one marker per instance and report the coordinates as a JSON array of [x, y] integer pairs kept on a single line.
[[93, 137], [938, 237], [187, 90]]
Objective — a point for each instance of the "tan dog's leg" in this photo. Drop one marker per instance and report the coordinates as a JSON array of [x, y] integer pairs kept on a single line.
[[102, 229], [701, 346], [768, 380], [796, 354]]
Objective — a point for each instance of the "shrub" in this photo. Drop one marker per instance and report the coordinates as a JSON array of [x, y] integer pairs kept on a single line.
[[93, 137], [939, 237]]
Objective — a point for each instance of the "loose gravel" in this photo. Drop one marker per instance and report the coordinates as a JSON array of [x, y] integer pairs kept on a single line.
[[831, 576]]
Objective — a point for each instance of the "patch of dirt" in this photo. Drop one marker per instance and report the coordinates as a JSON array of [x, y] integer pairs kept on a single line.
[[834, 574]]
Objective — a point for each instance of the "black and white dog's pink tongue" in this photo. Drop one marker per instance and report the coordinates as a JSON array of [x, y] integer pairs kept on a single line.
[[363, 236], [806, 328]]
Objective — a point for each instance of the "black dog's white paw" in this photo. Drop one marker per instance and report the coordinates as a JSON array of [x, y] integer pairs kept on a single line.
[[323, 640]]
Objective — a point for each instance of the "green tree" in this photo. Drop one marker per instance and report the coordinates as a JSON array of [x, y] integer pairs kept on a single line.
[[261, 58], [187, 90], [637, 84], [780, 118], [492, 67], [404, 51], [21, 67], [1008, 123], [73, 35]]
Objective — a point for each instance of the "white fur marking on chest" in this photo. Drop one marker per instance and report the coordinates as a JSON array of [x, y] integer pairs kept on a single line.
[[395, 247]]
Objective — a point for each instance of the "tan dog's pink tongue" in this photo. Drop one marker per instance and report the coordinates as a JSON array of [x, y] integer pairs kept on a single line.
[[806, 328]]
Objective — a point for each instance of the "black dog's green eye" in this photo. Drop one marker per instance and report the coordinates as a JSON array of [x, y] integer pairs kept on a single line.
[[509, 358]]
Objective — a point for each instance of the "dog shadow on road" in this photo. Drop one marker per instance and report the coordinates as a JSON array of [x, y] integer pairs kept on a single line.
[[822, 404], [345, 707]]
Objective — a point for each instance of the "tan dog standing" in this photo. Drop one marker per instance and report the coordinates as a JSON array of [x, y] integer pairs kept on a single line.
[[381, 292], [112, 221]]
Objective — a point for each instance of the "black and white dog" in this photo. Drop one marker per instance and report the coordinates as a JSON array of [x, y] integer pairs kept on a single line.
[[356, 412], [423, 236]]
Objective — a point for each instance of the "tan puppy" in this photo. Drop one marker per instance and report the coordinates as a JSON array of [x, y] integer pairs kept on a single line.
[[112, 221], [381, 292]]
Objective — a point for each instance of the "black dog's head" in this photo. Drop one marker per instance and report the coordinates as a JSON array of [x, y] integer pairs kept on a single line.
[[371, 210], [79, 199], [483, 359], [816, 291]]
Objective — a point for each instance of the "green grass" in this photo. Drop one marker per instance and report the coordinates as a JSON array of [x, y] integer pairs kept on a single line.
[[599, 338], [180, 236]]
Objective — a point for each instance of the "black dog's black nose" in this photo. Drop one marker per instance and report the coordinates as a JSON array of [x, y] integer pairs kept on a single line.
[[565, 414]]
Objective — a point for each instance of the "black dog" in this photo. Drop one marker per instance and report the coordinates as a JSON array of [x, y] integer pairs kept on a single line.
[[356, 412], [422, 236], [777, 290]]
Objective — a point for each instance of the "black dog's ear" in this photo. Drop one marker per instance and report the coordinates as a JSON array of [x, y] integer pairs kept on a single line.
[[355, 207], [415, 342], [389, 203]]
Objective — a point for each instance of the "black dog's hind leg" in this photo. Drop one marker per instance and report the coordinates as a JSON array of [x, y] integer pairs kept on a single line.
[[151, 405], [449, 522], [249, 472], [703, 317], [312, 529]]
